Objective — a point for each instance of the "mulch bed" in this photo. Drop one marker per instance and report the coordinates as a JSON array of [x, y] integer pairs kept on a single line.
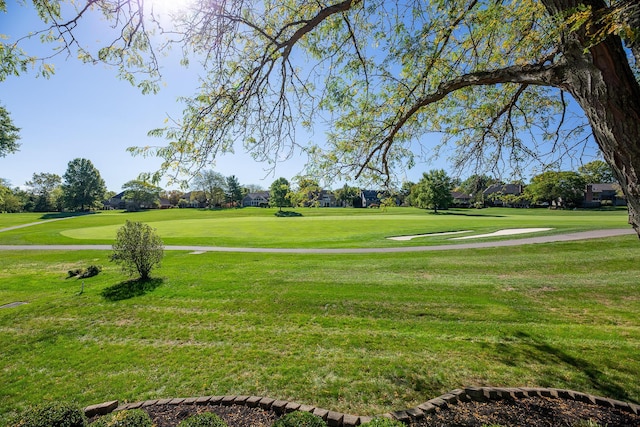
[[525, 412]]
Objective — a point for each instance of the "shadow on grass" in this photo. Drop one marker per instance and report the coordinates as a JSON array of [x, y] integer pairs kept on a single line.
[[467, 214], [130, 289], [287, 214], [58, 215], [526, 348]]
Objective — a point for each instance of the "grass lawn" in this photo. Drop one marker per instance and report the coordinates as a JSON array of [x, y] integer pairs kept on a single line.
[[316, 228], [361, 334]]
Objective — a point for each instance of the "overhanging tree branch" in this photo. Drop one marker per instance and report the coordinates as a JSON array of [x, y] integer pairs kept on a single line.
[[543, 74]]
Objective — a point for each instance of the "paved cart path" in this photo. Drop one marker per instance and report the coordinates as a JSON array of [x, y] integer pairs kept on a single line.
[[584, 235]]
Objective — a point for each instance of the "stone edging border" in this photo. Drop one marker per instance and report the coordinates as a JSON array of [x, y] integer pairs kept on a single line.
[[336, 419]]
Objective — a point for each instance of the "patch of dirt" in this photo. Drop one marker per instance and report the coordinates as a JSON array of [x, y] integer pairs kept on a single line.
[[527, 412]]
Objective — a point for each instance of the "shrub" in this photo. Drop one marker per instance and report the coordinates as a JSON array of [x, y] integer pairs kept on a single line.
[[53, 415], [384, 422], [300, 419], [206, 419], [287, 214], [137, 249], [126, 418], [74, 272], [91, 271]]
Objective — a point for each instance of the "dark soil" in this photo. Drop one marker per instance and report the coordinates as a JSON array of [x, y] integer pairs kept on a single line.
[[528, 412]]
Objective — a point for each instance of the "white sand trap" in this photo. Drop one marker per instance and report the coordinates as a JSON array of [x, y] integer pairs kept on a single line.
[[505, 232], [406, 238]]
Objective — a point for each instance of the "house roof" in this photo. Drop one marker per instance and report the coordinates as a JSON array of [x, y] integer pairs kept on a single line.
[[601, 188], [503, 188], [460, 195], [258, 195]]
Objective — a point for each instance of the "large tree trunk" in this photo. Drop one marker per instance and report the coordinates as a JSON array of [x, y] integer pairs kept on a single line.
[[602, 82], [609, 94]]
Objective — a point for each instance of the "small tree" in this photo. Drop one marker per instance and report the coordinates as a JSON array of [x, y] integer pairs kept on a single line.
[[138, 249], [433, 191], [279, 193]]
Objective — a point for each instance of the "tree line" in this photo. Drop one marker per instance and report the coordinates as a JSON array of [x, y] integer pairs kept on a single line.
[[81, 188], [564, 189]]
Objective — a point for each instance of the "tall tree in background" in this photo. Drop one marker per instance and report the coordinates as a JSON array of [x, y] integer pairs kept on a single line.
[[9, 201], [433, 191], [597, 172], [279, 193], [83, 187], [307, 192], [141, 194], [233, 191], [495, 77], [346, 194], [213, 184], [43, 187], [9, 133], [564, 189]]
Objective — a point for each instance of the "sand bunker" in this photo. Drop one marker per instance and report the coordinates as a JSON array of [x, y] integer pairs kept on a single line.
[[506, 232], [406, 238]]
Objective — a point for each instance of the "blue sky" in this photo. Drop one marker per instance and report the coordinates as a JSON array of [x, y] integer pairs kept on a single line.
[[85, 111]]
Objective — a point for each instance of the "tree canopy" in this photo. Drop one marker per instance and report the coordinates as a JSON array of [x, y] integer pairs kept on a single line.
[[82, 187], [565, 189], [494, 78], [433, 191], [279, 193], [597, 172], [9, 133], [44, 187], [140, 194]]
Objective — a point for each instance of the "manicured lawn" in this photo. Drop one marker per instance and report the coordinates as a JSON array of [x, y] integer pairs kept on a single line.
[[13, 219], [317, 228], [361, 334]]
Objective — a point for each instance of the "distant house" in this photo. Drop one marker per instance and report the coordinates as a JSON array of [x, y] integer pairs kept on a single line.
[[595, 194], [191, 200], [257, 199], [368, 198], [115, 202], [461, 200], [327, 199], [165, 203]]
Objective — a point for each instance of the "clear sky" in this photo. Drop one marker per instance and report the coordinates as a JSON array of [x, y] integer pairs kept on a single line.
[[85, 111]]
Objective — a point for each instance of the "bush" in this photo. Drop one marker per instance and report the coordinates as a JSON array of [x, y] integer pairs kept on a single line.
[[75, 272], [126, 418], [287, 214], [83, 273], [137, 249], [384, 422], [91, 271], [53, 415], [206, 419], [300, 419]]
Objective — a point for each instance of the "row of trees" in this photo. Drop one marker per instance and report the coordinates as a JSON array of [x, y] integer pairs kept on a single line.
[[79, 189], [562, 188]]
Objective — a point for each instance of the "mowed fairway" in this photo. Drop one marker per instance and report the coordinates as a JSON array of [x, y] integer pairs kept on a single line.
[[316, 228], [361, 334]]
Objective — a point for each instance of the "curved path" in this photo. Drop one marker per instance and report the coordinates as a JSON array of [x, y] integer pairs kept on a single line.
[[584, 235]]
